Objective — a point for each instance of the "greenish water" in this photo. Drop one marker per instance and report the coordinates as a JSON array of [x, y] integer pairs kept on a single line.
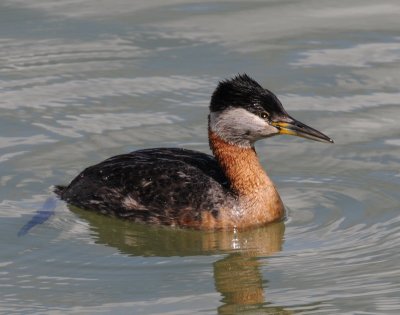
[[84, 80]]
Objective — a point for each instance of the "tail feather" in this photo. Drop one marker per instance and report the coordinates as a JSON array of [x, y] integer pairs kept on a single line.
[[59, 189]]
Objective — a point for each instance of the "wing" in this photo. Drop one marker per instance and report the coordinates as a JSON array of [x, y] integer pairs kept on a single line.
[[158, 185]]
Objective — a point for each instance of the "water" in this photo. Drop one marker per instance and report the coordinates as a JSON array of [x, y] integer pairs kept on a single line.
[[83, 80]]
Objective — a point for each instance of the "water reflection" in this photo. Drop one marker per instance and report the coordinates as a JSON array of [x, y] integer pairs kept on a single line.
[[237, 276]]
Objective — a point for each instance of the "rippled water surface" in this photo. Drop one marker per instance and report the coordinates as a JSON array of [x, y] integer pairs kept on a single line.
[[83, 80]]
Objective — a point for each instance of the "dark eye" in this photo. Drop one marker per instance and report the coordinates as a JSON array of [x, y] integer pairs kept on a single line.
[[264, 115]]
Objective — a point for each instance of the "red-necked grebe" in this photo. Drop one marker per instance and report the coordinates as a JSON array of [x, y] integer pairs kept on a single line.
[[180, 187]]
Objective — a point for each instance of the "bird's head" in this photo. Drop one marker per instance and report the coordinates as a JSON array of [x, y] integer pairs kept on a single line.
[[242, 112]]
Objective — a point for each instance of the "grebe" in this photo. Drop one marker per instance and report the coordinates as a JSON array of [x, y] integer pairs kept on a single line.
[[185, 188]]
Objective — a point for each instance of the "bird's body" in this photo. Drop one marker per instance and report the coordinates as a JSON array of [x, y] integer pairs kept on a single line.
[[186, 188], [168, 186]]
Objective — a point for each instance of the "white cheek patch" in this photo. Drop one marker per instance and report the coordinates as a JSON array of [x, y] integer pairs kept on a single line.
[[235, 117], [237, 125]]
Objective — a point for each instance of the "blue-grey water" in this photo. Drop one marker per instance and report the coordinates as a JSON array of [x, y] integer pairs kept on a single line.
[[84, 80]]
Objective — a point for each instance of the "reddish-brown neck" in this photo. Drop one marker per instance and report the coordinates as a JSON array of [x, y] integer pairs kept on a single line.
[[241, 166], [258, 199]]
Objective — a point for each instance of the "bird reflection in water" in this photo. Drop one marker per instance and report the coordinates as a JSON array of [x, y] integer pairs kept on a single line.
[[237, 276]]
